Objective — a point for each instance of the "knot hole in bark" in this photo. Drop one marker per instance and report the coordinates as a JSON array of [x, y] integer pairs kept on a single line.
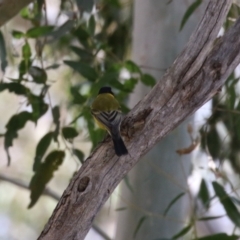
[[216, 70], [83, 184]]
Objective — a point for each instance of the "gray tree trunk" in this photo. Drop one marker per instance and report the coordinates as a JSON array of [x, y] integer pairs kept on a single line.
[[161, 174]]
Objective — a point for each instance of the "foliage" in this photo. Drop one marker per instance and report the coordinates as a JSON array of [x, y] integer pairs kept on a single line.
[[96, 58]]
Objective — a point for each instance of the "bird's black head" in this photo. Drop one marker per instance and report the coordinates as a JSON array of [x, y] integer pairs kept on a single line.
[[105, 90]]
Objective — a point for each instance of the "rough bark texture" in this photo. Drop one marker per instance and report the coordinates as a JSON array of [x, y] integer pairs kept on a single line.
[[161, 174], [9, 8], [195, 76]]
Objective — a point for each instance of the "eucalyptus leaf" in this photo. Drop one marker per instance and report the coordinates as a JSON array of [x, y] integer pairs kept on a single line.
[[60, 31], [41, 31], [204, 194], [148, 80], [16, 88], [3, 53], [15, 123], [41, 149], [38, 74], [189, 12], [219, 236], [84, 69], [44, 174], [56, 120], [139, 224], [174, 200], [18, 34], [79, 154], [69, 132], [85, 5], [182, 232], [227, 203]]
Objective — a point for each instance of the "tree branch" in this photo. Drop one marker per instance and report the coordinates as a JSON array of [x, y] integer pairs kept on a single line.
[[10, 8], [195, 76]]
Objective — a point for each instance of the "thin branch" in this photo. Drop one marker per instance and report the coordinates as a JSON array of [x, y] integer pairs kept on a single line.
[[49, 193], [22, 184]]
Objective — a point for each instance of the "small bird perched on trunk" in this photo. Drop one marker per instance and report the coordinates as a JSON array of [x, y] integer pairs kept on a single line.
[[107, 114]]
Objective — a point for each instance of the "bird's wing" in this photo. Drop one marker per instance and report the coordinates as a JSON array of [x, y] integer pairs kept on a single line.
[[109, 118]]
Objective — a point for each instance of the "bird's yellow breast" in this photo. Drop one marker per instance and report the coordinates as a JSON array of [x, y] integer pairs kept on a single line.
[[105, 102]]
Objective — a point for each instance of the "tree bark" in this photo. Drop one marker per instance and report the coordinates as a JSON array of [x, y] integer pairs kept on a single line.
[[161, 174], [9, 8], [196, 76]]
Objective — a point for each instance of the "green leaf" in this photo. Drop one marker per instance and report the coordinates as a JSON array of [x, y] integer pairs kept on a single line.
[[69, 132], [25, 13], [77, 97], [18, 34], [56, 117], [26, 62], [189, 12], [124, 108], [210, 218], [39, 107], [16, 88], [85, 70], [219, 236], [18, 121], [172, 202], [26, 51], [85, 5], [24, 67], [227, 203], [44, 174], [121, 209], [82, 53], [91, 25], [118, 85], [109, 77], [132, 67], [140, 223], [40, 5], [41, 149], [38, 74], [148, 80], [212, 142], [53, 66], [15, 123], [3, 53], [41, 31], [204, 194], [182, 232], [96, 135], [61, 31], [231, 91], [83, 36], [79, 154], [130, 84]]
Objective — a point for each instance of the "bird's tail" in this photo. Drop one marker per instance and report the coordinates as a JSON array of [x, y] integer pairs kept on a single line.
[[119, 146]]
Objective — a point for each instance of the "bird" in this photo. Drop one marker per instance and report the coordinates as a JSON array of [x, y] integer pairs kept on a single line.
[[107, 114]]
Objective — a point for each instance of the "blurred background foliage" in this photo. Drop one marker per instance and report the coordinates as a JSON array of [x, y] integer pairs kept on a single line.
[[54, 58]]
